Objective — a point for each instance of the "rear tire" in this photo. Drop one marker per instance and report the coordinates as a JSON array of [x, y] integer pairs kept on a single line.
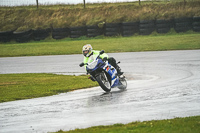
[[123, 82], [103, 82]]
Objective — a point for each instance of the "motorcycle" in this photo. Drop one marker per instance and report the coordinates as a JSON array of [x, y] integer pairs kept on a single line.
[[105, 74]]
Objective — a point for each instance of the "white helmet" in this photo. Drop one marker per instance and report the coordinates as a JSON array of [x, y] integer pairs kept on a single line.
[[87, 50]]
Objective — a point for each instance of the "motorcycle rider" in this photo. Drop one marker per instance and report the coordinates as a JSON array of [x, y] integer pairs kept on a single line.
[[88, 51]]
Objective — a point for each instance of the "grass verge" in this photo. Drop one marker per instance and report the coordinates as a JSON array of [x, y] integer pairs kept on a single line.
[[154, 42], [25, 86], [177, 125]]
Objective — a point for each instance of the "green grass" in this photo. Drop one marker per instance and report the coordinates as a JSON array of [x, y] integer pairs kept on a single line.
[[25, 86], [177, 125], [155, 42]]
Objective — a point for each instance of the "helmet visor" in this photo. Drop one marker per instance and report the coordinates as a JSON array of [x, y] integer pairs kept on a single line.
[[85, 52]]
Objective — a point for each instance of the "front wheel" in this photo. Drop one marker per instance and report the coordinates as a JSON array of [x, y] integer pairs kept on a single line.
[[103, 82]]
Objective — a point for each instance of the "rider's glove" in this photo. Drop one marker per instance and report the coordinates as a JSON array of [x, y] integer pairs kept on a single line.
[[92, 78]]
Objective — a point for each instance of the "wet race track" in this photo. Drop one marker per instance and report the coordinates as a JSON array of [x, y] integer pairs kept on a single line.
[[161, 85]]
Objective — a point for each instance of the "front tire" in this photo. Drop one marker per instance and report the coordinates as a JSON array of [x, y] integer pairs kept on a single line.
[[103, 82]]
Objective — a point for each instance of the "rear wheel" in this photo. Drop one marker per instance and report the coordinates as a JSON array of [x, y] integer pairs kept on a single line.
[[103, 82], [123, 83]]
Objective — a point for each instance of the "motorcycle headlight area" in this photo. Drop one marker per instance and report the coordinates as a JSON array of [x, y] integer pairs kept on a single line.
[[92, 65]]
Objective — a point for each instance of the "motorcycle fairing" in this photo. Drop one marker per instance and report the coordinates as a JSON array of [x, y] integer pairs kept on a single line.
[[113, 74], [98, 63]]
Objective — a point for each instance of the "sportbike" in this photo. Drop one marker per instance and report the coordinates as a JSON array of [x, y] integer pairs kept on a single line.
[[105, 74]]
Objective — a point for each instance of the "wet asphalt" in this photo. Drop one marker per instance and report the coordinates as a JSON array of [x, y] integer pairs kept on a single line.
[[161, 85]]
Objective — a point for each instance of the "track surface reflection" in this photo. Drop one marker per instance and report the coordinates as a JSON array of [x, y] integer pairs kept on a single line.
[[161, 85]]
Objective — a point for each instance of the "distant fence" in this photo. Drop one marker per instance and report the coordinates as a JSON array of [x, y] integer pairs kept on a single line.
[[37, 3], [144, 27]]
